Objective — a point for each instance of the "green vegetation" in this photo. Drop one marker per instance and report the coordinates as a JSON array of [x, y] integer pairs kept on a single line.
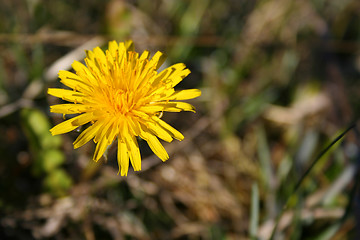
[[279, 82]]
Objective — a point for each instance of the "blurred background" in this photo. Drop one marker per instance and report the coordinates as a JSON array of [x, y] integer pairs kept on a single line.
[[279, 82]]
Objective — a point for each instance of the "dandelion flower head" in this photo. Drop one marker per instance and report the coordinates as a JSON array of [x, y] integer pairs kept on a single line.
[[120, 95]]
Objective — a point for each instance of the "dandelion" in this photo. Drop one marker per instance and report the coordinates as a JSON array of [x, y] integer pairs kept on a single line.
[[120, 95]]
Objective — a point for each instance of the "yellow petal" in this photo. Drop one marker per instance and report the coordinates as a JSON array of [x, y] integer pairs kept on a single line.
[[113, 48], [100, 148], [144, 55], [134, 126], [113, 131], [110, 60], [122, 52], [103, 129], [185, 94], [161, 77], [159, 131], [133, 149], [87, 134], [151, 108], [69, 108], [90, 55], [67, 95], [100, 60], [178, 77], [161, 93], [71, 124], [73, 81], [141, 69], [95, 75], [129, 45], [168, 107], [123, 157], [83, 72], [157, 60], [173, 132], [99, 53], [157, 147], [140, 114], [83, 119], [178, 106], [171, 75], [145, 77], [63, 127]]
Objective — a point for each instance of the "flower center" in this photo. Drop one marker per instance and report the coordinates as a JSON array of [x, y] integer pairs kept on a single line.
[[122, 101]]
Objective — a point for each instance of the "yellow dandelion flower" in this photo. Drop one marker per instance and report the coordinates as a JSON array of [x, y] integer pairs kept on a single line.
[[122, 96]]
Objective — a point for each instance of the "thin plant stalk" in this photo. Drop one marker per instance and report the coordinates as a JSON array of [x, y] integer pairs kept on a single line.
[[306, 173]]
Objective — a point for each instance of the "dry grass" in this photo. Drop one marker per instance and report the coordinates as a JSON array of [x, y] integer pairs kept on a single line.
[[279, 82]]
